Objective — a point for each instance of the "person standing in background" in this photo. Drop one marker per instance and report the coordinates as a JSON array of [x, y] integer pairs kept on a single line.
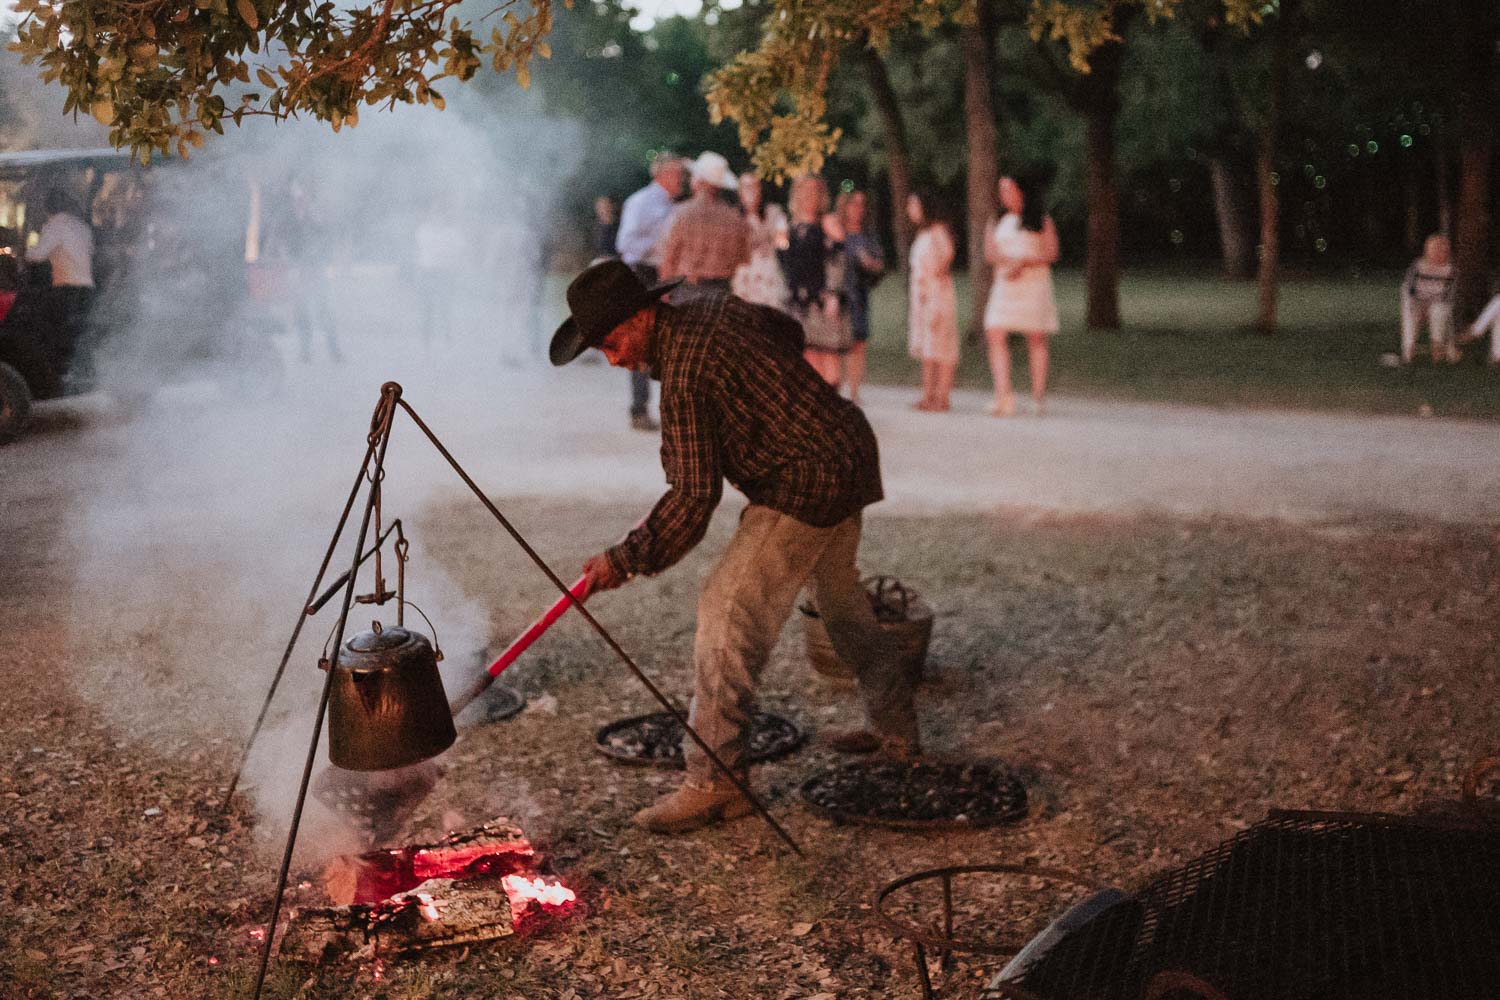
[[1427, 296], [440, 252], [66, 242], [761, 281], [814, 249], [932, 311], [708, 240], [606, 227], [296, 236], [1023, 248], [644, 219], [864, 263]]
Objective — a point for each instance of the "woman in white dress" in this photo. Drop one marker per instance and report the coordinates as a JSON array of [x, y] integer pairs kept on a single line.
[[761, 280], [932, 314], [1022, 247]]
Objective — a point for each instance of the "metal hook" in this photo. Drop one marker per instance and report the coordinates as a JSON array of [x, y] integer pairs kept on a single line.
[[402, 548]]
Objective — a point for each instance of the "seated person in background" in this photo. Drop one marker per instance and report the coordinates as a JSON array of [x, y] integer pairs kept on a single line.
[[1427, 295], [1488, 323]]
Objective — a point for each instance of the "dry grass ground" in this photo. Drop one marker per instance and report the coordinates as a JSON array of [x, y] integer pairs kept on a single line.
[[1159, 682]]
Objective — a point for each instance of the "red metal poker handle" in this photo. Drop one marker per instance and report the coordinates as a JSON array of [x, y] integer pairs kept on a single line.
[[521, 644]]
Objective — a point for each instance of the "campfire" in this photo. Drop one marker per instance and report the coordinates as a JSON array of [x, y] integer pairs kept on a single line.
[[479, 885]]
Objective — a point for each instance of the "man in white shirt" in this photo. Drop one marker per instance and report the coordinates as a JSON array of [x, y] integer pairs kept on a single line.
[[644, 220], [67, 243]]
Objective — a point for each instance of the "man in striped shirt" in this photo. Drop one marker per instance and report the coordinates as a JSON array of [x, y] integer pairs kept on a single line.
[[739, 403]]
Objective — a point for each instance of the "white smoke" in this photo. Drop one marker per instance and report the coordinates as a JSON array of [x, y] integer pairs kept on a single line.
[[208, 512]]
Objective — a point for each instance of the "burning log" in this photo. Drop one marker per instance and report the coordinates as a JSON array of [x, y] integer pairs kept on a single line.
[[440, 911], [473, 886], [497, 848]]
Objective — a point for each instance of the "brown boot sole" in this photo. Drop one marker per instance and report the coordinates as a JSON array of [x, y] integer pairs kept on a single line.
[[858, 741], [734, 808]]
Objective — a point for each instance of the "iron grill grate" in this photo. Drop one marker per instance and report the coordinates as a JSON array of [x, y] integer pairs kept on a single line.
[[1303, 906]]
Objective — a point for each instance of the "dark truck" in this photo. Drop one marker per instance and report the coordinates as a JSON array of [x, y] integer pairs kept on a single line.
[[165, 306]]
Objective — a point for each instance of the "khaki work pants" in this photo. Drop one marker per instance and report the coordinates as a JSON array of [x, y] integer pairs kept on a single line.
[[744, 605]]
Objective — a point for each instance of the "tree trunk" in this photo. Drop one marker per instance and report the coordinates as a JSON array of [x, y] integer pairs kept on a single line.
[[1229, 210], [1471, 246], [1268, 274], [897, 153], [1411, 216], [1097, 96], [1478, 35], [1445, 186], [983, 170], [1102, 269]]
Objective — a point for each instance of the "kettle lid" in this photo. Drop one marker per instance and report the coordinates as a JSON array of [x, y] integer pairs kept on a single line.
[[379, 642]]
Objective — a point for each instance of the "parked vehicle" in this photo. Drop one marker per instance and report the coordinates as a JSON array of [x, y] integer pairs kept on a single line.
[[165, 307]]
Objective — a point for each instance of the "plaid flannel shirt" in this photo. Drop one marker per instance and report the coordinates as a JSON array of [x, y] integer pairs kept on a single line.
[[739, 403]]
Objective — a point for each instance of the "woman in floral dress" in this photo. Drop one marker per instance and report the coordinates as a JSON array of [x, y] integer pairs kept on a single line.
[[761, 279], [932, 323]]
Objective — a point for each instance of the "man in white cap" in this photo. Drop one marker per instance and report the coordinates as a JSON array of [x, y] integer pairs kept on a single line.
[[708, 239]]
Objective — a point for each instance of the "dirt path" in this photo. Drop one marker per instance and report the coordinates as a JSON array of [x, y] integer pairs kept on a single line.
[[561, 434]]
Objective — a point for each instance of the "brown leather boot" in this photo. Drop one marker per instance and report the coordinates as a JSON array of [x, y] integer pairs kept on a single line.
[[853, 741], [688, 808], [862, 741]]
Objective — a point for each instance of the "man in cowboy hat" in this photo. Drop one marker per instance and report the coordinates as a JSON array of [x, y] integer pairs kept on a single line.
[[739, 403], [708, 240]]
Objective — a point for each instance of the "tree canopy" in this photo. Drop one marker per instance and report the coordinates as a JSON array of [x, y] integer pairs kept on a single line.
[[777, 93], [163, 73]]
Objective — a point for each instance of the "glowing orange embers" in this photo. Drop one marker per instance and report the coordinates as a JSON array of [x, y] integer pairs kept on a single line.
[[524, 891], [479, 885]]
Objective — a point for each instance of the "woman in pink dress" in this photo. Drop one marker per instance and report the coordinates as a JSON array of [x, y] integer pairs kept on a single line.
[[1023, 248], [932, 317]]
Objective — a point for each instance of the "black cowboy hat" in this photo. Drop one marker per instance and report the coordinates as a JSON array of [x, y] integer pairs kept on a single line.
[[605, 295]]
